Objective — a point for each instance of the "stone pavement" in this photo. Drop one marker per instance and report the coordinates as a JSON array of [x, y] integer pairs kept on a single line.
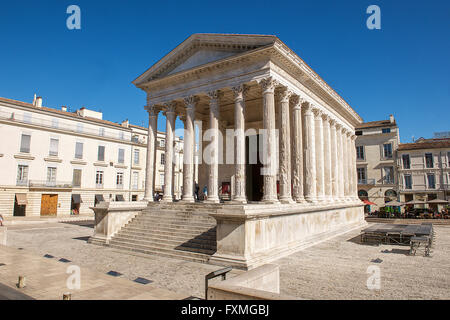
[[46, 278], [10, 221]]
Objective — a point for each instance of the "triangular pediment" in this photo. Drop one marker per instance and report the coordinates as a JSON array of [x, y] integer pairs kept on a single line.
[[201, 49]]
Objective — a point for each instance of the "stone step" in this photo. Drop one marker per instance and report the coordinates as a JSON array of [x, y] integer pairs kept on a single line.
[[168, 226], [169, 231], [208, 236], [181, 217], [173, 224], [186, 252], [198, 246], [178, 213], [200, 259]]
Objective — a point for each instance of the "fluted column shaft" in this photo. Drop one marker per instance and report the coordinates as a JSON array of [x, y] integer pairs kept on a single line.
[[309, 154], [239, 127], [269, 142], [327, 158], [213, 190], [346, 164], [320, 172], [334, 161], [354, 171], [297, 150], [350, 166], [168, 165], [285, 147], [151, 154], [340, 150], [188, 150]]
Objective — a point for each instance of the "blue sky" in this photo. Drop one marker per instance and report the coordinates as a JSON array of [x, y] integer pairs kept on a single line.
[[403, 68]]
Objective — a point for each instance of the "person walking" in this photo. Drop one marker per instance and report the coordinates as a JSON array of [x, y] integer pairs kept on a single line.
[[205, 193], [197, 189], [1, 220]]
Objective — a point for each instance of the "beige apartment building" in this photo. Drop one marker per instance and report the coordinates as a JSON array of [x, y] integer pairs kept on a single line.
[[376, 146], [424, 172], [56, 162]]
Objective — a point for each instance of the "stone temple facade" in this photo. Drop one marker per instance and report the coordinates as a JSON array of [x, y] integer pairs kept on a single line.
[[268, 127]]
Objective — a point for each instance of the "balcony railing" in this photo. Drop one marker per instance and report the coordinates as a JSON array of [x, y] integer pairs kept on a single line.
[[49, 184], [366, 181], [23, 182]]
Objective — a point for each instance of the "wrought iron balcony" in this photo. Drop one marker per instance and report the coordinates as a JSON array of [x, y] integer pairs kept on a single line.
[[49, 184], [23, 182], [366, 181]]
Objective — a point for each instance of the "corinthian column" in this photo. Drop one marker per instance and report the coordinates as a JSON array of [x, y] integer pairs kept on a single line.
[[309, 155], [151, 154], [297, 149], [354, 194], [168, 165], [327, 157], [340, 148], [350, 166], [320, 173], [345, 163], [188, 150], [213, 190], [334, 160], [269, 142], [285, 147], [239, 127]]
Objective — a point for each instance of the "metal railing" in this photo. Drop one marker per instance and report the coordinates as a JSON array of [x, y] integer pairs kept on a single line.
[[49, 184], [366, 181], [222, 272]]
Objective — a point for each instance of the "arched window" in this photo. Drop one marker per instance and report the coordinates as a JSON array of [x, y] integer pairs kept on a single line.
[[363, 195], [390, 195]]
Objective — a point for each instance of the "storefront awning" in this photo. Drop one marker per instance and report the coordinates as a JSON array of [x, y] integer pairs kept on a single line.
[[99, 197], [369, 203], [21, 199], [120, 197], [76, 198]]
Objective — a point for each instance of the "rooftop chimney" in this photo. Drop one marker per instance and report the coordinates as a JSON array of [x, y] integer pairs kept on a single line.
[[38, 102], [125, 123], [64, 108], [391, 118], [34, 100]]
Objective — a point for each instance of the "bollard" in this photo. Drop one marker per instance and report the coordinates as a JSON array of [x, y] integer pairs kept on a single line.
[[67, 296], [22, 282]]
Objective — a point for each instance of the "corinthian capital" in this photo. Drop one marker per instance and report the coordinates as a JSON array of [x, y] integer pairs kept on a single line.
[[268, 85], [169, 107], [214, 95], [152, 110], [284, 94], [239, 91], [297, 101], [190, 101]]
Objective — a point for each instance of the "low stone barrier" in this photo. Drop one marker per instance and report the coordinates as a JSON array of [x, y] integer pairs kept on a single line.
[[110, 217], [261, 283], [3, 235]]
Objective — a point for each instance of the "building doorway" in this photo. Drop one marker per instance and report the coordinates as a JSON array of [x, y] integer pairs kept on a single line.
[[254, 180], [49, 204], [75, 204], [20, 204]]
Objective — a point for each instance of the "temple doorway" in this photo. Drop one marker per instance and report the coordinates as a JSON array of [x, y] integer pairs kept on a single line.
[[254, 179]]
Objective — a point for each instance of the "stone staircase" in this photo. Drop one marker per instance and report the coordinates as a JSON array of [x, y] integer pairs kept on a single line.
[[173, 230]]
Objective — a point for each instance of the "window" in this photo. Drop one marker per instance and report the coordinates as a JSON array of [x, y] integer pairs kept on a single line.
[[358, 133], [406, 161], [79, 150], [361, 175], [76, 181], [363, 195], [51, 175], [408, 181], [53, 147], [134, 197], [360, 152], [431, 181], [388, 175], [161, 179], [79, 127], [101, 153], [101, 132], [163, 158], [99, 178], [55, 123], [27, 117], [387, 151], [135, 180], [119, 179], [448, 158], [22, 175], [121, 135], [429, 160], [386, 130], [121, 155], [162, 143], [136, 156], [25, 143]]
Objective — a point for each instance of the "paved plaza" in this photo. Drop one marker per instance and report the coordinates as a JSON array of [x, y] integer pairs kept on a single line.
[[334, 269]]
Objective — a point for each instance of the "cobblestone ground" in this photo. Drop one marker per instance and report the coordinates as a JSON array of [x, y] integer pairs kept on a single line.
[[334, 269], [64, 240], [337, 269]]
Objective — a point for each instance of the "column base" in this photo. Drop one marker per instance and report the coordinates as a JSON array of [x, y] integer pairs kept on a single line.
[[286, 200], [270, 201], [239, 200], [212, 200], [167, 199], [187, 199], [311, 200]]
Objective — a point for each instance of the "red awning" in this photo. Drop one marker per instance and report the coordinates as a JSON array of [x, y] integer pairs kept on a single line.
[[369, 203]]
